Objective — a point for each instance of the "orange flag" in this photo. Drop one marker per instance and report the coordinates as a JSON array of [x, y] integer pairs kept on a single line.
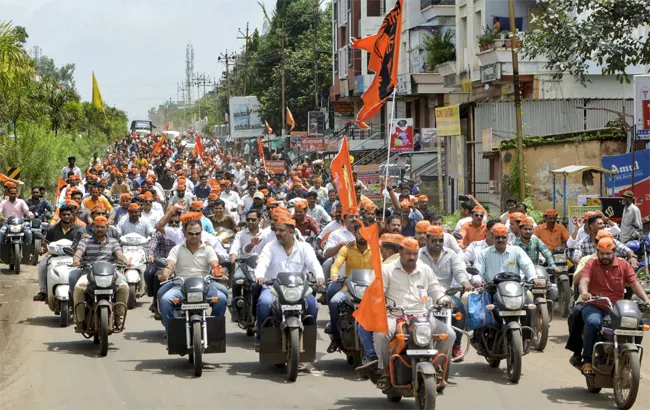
[[384, 60], [62, 184], [260, 149], [198, 148], [371, 313], [157, 147], [290, 119], [268, 128], [166, 127], [342, 176]]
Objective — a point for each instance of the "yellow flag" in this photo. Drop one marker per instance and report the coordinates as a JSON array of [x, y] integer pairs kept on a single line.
[[97, 96], [290, 119]]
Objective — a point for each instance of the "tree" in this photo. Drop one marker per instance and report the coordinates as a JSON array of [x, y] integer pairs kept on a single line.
[[439, 47], [573, 32]]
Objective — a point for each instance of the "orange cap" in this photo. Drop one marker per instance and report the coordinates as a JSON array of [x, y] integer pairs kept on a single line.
[[392, 238], [516, 216], [225, 182], [147, 196], [435, 230], [271, 201], [100, 220], [410, 244], [479, 208], [98, 207], [196, 205], [527, 222], [405, 204], [423, 198], [606, 244], [550, 212], [180, 188], [300, 205], [371, 207], [213, 196], [190, 216], [134, 207], [286, 220], [499, 230], [422, 226], [604, 233], [124, 197], [351, 210], [589, 214]]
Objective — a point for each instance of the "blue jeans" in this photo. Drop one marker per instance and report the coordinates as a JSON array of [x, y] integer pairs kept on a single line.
[[366, 340], [170, 290], [334, 302], [332, 289], [593, 318], [264, 308], [458, 307]]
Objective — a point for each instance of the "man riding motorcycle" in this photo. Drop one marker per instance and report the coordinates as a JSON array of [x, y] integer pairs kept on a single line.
[[304, 223], [99, 248], [586, 246], [605, 276], [532, 244], [134, 224], [13, 206], [286, 254], [316, 211]]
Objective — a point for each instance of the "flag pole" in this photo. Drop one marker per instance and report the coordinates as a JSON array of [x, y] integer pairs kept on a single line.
[[390, 132]]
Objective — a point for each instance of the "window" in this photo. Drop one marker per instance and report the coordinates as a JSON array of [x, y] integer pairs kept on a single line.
[[376, 8]]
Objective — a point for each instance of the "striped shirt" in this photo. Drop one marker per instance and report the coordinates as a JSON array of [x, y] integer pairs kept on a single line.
[[159, 247], [534, 248], [513, 259], [95, 251], [587, 247]]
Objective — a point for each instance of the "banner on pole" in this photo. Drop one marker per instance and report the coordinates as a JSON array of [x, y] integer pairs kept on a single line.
[[401, 138], [371, 178], [276, 165], [448, 120]]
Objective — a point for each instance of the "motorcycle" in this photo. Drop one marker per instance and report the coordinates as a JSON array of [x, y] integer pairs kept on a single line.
[[356, 285], [416, 367], [39, 226], [560, 291], [133, 247], [544, 305], [58, 288], [12, 249], [616, 357], [242, 305], [192, 332], [504, 339], [284, 336], [100, 303], [640, 249]]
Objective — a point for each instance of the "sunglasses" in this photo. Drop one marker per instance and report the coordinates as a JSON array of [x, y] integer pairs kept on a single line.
[[148, 202], [194, 233], [501, 237], [173, 223]]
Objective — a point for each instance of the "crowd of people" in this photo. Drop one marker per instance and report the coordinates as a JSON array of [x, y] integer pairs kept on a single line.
[[206, 208]]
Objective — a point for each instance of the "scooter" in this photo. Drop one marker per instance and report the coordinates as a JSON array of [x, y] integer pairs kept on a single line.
[[133, 247], [616, 358], [58, 288], [284, 337], [192, 331]]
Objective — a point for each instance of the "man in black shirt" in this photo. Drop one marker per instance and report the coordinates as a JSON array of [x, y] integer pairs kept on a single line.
[[64, 229], [39, 205]]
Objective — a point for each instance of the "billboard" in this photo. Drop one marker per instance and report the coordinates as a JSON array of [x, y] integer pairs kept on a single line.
[[448, 120], [622, 181], [577, 213], [401, 137], [276, 165], [642, 106], [245, 121], [316, 120], [430, 139], [371, 178], [312, 144]]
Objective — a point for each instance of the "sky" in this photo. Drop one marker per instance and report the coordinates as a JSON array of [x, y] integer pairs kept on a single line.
[[135, 47]]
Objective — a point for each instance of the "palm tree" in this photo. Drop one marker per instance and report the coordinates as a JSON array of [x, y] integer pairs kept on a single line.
[[15, 63]]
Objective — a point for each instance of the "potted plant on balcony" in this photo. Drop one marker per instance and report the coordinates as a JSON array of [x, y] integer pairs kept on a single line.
[[485, 39], [439, 47]]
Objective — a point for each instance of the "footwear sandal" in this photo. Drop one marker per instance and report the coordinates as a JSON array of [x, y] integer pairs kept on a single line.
[[384, 383]]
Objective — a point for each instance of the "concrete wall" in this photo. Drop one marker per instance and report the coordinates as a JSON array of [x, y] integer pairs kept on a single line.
[[540, 160]]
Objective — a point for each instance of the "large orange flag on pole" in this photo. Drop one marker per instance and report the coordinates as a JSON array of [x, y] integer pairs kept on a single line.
[[384, 60], [371, 313], [342, 176], [198, 148], [157, 147], [62, 184], [290, 119], [260, 150]]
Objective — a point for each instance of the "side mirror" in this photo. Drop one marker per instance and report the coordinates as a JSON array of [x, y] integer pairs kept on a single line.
[[68, 251], [472, 271], [457, 235], [160, 263]]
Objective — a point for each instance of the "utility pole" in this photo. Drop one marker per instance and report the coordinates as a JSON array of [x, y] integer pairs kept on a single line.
[[515, 81], [183, 89], [226, 58], [316, 18], [200, 80], [284, 109], [245, 37], [189, 71]]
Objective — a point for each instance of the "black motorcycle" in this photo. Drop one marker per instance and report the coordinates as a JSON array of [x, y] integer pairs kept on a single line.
[[242, 305], [355, 285], [39, 226], [284, 333], [616, 358], [12, 249], [503, 340], [543, 307], [560, 281], [100, 303], [192, 331]]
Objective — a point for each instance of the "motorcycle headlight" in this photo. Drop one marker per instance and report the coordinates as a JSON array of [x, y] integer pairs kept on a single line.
[[15, 228], [195, 297], [360, 291], [629, 322], [542, 283], [513, 303], [422, 335], [103, 281], [291, 295], [560, 258]]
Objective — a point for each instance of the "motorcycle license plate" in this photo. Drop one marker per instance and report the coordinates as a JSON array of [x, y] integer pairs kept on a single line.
[[103, 291], [291, 307], [422, 352], [539, 291], [15, 234], [622, 332], [195, 306], [563, 268], [513, 313]]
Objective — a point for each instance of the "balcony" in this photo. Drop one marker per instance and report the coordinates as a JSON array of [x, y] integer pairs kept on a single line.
[[500, 52]]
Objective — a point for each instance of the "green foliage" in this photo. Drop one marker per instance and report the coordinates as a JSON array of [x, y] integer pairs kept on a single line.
[[452, 219], [536, 214], [606, 133], [439, 47], [512, 180], [486, 37], [605, 32]]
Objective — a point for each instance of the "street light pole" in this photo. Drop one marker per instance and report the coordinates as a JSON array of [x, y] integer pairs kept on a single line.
[[517, 89]]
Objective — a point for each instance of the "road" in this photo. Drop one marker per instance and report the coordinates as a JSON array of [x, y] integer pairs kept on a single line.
[[44, 366]]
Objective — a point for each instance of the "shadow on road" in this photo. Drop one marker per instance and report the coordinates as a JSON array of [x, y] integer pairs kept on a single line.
[[7, 271], [174, 366], [78, 347], [256, 370], [481, 371], [560, 340], [239, 339], [45, 321], [372, 403], [338, 367], [580, 397], [148, 336]]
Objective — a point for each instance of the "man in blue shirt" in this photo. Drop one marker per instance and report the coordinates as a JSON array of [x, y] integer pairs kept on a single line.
[[202, 190]]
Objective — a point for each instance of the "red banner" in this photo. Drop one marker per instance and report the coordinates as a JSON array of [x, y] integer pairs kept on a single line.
[[313, 144], [276, 165]]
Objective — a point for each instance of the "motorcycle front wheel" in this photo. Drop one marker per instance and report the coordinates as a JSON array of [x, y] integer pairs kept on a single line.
[[130, 304], [103, 331], [564, 292], [425, 397], [515, 352], [34, 256], [626, 380], [294, 354], [17, 258], [197, 352], [540, 327]]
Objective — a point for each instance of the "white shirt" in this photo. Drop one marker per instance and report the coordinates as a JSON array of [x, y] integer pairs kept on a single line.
[[408, 290], [268, 236], [247, 200], [274, 260], [329, 228], [319, 214], [631, 222], [153, 216], [449, 266], [232, 199], [242, 239], [321, 193], [189, 186], [338, 237], [451, 243], [141, 227], [188, 263], [472, 251], [572, 243]]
